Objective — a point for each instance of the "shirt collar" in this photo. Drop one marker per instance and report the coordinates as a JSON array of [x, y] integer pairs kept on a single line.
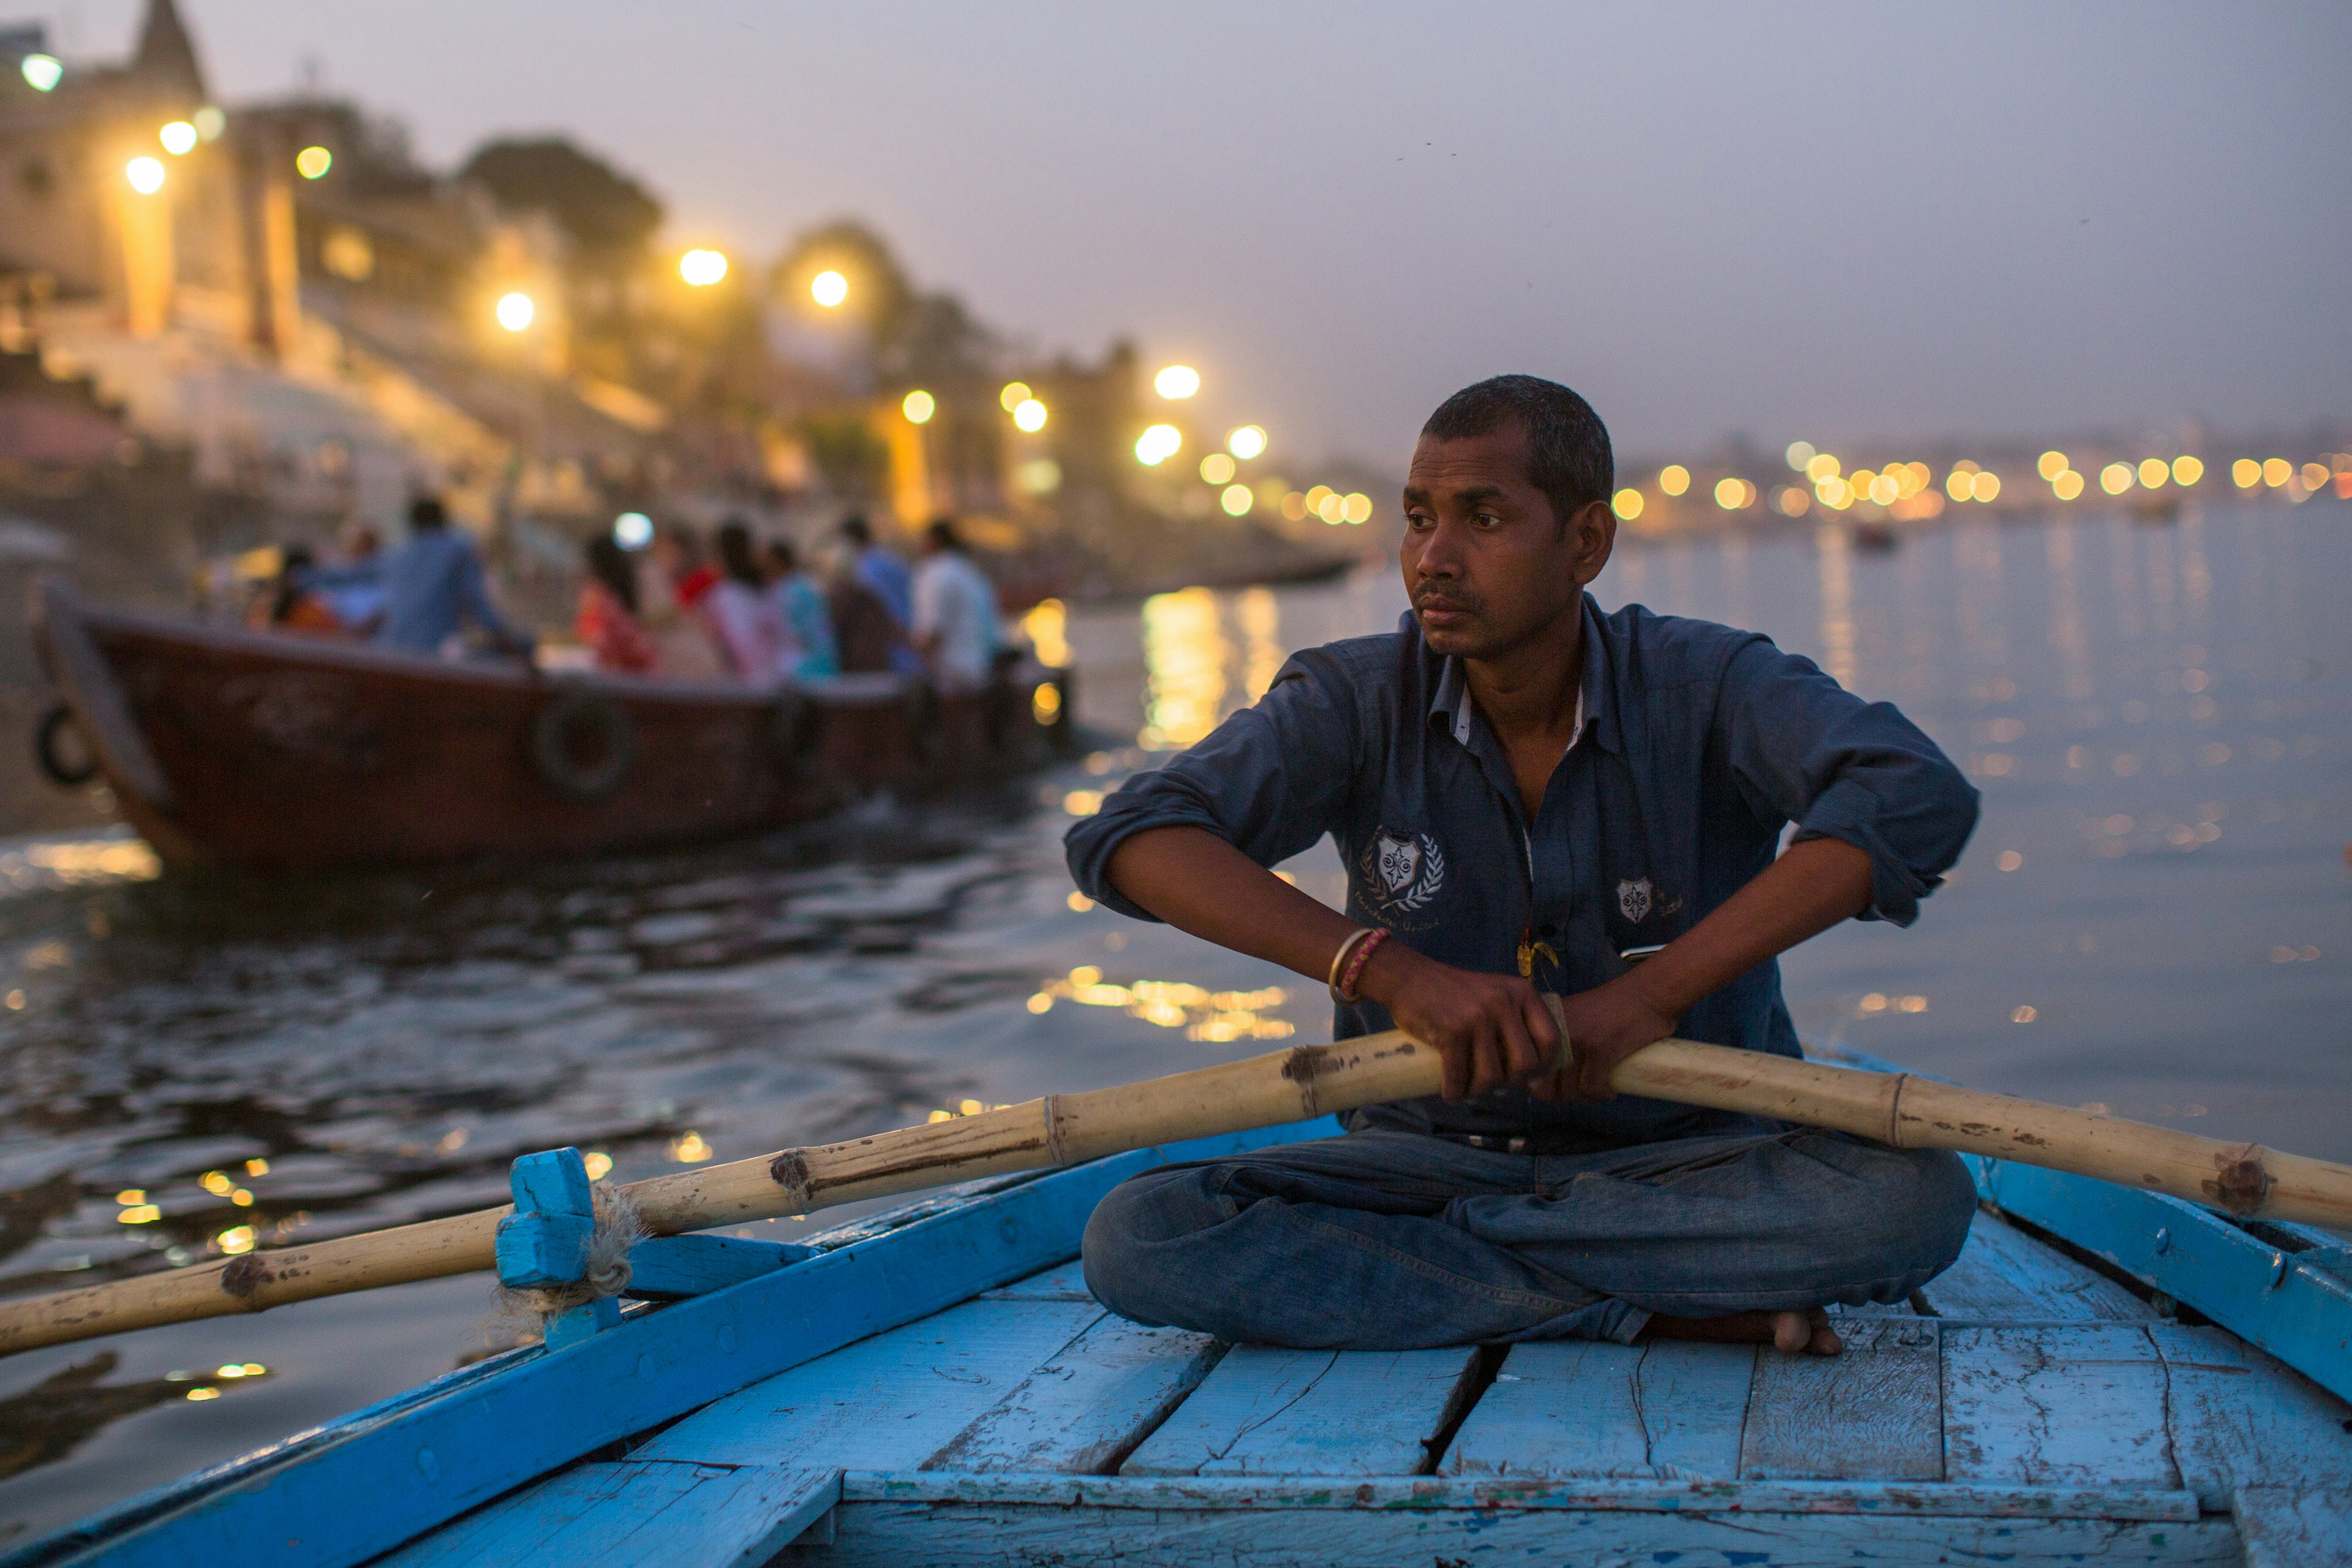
[[1451, 705]]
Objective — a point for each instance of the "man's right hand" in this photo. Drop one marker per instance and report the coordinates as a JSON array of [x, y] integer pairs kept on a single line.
[[1490, 1030]]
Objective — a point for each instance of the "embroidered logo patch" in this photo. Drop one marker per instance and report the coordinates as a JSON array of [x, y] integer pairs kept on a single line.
[[1634, 901], [1401, 872]]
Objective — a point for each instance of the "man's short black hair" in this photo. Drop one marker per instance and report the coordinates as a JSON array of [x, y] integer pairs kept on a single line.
[[1568, 447], [853, 528], [426, 512]]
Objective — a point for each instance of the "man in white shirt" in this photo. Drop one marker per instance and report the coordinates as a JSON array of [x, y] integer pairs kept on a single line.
[[955, 613]]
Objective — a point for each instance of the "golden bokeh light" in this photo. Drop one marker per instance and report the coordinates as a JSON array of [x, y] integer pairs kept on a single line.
[[2115, 478], [2187, 470], [312, 163], [145, 174], [515, 311], [1834, 492], [1217, 468], [1247, 442], [42, 72], [1158, 444], [1732, 495], [2066, 486], [702, 268], [2051, 464], [2314, 476], [1333, 508], [1355, 507], [1014, 394], [1673, 478], [1960, 484], [1987, 487], [179, 138], [919, 406], [828, 288], [1237, 499], [1799, 454], [1626, 503], [2275, 471], [1177, 382], [2246, 473], [1793, 500], [1029, 415], [2153, 472], [1822, 466], [1885, 488], [210, 123]]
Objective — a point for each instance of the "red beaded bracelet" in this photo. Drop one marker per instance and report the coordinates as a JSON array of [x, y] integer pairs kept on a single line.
[[1345, 991]]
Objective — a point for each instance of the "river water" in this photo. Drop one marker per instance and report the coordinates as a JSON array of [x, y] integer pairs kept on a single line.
[[2154, 917]]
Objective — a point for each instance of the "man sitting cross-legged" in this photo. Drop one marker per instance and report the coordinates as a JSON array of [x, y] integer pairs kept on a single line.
[[1525, 791]]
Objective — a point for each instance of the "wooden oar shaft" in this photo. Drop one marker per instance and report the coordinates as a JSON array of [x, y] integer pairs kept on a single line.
[[1287, 1086]]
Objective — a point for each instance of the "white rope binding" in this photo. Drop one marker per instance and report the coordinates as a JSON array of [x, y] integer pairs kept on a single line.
[[522, 1315]]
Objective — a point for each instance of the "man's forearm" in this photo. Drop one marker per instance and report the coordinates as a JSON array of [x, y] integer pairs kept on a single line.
[[1810, 887], [1199, 883]]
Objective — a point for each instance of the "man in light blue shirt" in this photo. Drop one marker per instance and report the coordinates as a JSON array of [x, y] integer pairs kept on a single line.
[[887, 578], [433, 589]]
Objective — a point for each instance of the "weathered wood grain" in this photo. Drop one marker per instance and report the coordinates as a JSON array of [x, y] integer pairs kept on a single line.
[[889, 1401], [2238, 1418], [2004, 1273], [1266, 1411], [1390, 1493], [1078, 1414], [1874, 1412], [636, 1514], [921, 1535], [2069, 1406], [1568, 1407], [2285, 1528], [1064, 1282]]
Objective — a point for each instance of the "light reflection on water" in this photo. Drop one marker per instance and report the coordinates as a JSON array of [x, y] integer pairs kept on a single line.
[[2152, 918]]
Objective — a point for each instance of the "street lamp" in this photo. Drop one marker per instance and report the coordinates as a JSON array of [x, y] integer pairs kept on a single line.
[[1177, 381], [1029, 414], [515, 311], [918, 407], [1247, 442], [701, 269], [145, 174], [1157, 445], [42, 72], [828, 288], [179, 138], [312, 163]]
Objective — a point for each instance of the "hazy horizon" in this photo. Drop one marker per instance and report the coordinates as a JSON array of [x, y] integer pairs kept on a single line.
[[1829, 221]]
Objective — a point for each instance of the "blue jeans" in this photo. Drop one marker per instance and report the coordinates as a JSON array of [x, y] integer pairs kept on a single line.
[[1392, 1240]]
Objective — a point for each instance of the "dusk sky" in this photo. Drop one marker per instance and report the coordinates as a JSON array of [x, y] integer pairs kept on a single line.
[[1795, 220]]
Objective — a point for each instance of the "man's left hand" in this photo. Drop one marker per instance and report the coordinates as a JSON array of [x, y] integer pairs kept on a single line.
[[1605, 1025]]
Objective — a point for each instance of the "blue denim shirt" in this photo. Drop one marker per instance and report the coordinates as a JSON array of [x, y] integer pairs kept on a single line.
[[1700, 744], [433, 589]]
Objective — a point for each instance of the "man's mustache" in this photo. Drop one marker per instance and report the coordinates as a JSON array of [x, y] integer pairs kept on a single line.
[[1447, 599]]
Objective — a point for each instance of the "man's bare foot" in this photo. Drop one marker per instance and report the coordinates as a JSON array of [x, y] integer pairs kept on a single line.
[[1787, 1333]]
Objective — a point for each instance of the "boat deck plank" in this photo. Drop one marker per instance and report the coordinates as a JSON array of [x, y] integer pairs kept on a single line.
[[1085, 1409], [886, 1402], [1269, 1412], [636, 1514], [2004, 1273], [2284, 1528], [1062, 1282], [1570, 1408], [1874, 1412], [2238, 1418], [2043, 1406]]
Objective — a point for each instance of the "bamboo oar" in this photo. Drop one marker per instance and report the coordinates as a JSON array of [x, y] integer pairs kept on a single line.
[[1309, 1080]]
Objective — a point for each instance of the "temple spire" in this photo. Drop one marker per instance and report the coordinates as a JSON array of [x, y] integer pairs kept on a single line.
[[166, 54]]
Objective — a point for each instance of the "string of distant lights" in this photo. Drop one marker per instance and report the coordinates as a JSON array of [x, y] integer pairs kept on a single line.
[[1908, 491]]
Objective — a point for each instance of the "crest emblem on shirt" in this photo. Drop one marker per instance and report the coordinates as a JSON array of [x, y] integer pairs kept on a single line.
[[1401, 872], [1634, 901]]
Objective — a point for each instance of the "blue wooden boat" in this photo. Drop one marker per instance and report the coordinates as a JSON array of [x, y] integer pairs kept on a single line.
[[2105, 1376]]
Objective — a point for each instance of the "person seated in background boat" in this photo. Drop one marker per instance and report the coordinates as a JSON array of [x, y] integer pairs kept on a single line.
[[292, 605], [607, 619], [353, 588], [955, 622], [751, 633], [1529, 794], [886, 577], [799, 603], [672, 582], [867, 639], [435, 592]]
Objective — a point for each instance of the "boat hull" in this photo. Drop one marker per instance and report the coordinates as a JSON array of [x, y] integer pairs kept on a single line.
[[279, 752]]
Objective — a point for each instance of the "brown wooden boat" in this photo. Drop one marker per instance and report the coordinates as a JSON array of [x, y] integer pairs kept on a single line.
[[284, 753]]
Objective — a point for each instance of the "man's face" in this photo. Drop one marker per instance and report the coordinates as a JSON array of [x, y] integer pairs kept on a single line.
[[1486, 564]]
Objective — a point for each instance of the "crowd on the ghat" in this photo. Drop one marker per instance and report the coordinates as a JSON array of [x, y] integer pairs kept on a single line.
[[737, 606]]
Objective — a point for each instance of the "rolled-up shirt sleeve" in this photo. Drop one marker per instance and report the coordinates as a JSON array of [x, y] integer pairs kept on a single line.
[[1807, 751], [1270, 781]]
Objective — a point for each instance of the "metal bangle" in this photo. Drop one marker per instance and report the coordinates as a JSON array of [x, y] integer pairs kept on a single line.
[[1340, 959]]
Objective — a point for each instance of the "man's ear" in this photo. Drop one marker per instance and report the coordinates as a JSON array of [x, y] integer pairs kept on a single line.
[[1593, 535]]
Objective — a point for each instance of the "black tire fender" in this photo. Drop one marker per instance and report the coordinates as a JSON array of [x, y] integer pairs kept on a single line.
[[583, 715], [45, 749]]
